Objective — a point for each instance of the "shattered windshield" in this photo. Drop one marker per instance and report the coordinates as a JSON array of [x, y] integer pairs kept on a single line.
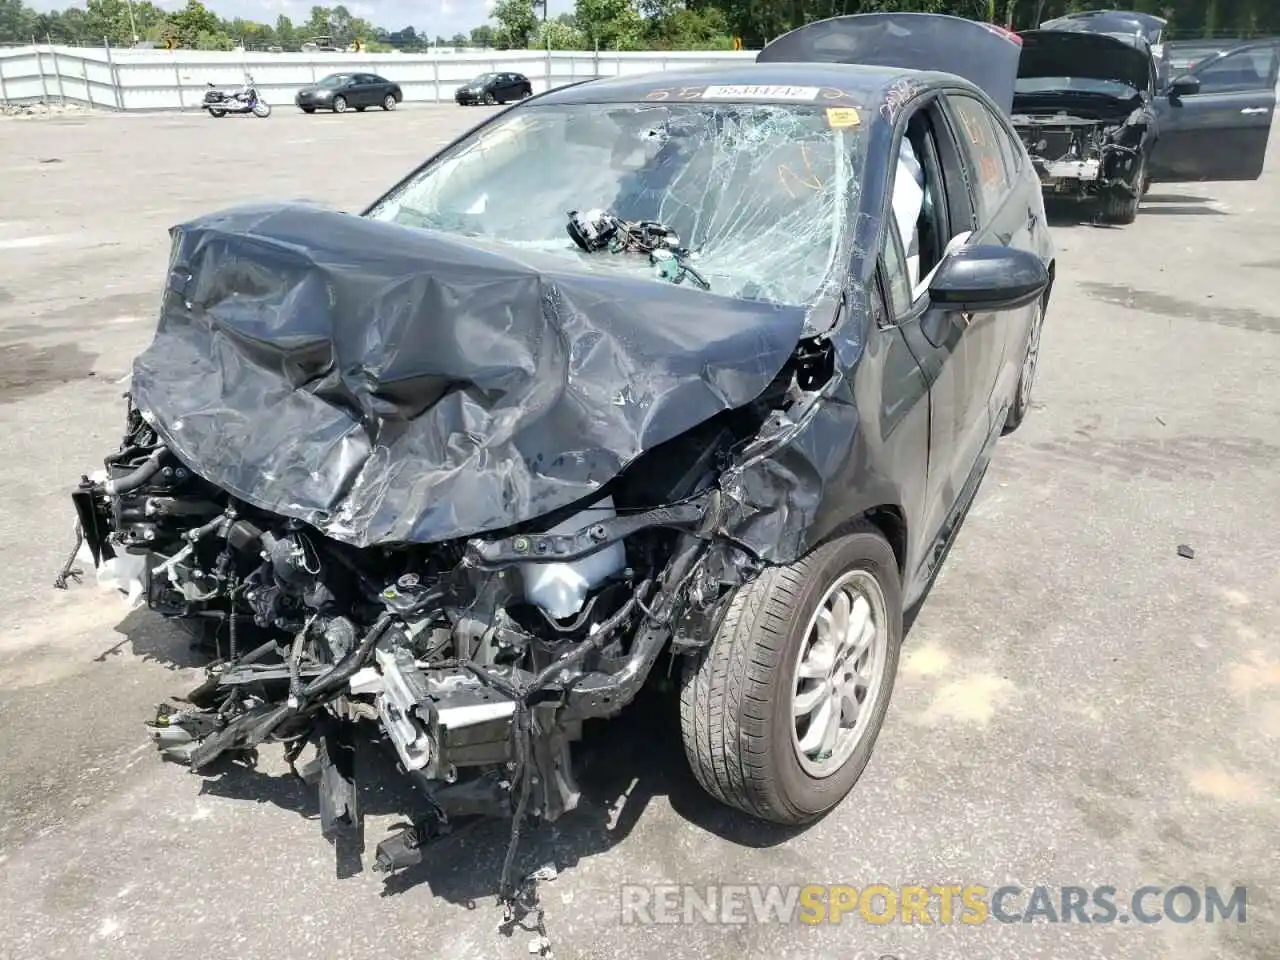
[[758, 194]]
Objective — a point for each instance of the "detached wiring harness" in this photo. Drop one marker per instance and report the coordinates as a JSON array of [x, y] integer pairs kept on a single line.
[[598, 230]]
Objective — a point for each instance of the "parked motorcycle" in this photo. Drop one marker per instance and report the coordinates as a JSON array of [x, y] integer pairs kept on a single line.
[[245, 100]]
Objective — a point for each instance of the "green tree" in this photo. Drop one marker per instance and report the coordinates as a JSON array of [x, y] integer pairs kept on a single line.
[[560, 34], [286, 33], [17, 21], [516, 23], [193, 24], [613, 24], [110, 19]]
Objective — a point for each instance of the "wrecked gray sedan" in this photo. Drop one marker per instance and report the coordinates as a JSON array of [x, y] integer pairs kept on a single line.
[[463, 468]]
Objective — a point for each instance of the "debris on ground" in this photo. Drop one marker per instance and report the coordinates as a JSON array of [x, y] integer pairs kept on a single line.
[[1186, 552], [24, 110]]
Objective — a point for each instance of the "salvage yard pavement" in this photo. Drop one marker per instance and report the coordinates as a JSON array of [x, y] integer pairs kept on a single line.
[[1078, 703]]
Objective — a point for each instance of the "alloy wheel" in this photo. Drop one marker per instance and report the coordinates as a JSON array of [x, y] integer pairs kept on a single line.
[[839, 673], [1030, 359]]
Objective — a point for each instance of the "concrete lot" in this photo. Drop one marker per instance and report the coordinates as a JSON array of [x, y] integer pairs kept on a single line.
[[1077, 705]]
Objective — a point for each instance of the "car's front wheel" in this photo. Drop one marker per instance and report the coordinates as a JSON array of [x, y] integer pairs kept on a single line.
[[781, 711], [389, 102], [1027, 377], [1115, 208], [489, 99], [308, 109]]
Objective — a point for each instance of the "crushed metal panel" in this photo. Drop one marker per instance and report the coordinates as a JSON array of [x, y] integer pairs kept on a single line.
[[422, 387]]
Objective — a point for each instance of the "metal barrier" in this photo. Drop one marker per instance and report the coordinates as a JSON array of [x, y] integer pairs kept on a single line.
[[141, 80]]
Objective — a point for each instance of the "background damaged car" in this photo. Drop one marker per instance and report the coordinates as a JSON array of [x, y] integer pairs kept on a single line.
[[1084, 111], [717, 378]]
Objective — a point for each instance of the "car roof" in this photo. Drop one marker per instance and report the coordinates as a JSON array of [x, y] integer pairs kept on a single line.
[[841, 84]]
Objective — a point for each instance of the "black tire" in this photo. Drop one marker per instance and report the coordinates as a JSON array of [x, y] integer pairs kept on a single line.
[[217, 113], [1027, 377], [308, 109], [1118, 209], [389, 102], [736, 695], [489, 99], [339, 104]]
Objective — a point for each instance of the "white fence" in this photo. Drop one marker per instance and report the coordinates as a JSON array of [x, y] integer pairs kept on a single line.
[[175, 79]]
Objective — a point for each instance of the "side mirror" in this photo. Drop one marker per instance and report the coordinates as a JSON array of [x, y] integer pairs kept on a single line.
[[988, 277], [1183, 86]]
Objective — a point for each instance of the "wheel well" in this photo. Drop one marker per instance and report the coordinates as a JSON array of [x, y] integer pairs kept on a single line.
[[889, 522], [888, 519]]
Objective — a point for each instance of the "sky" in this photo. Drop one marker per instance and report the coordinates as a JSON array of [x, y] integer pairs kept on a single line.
[[434, 17]]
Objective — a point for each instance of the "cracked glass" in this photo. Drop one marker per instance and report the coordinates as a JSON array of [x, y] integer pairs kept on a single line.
[[760, 193]]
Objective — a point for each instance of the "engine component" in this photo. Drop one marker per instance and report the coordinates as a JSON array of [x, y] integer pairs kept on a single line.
[[398, 703], [478, 658], [593, 230], [561, 588]]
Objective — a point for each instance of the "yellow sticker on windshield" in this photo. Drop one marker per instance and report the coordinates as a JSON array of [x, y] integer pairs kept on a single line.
[[842, 117]]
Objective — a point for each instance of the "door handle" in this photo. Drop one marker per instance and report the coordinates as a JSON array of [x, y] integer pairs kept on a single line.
[[1248, 110]]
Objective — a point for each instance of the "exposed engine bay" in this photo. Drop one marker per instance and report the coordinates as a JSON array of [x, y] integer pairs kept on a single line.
[[473, 616], [478, 658], [1082, 107], [1085, 156]]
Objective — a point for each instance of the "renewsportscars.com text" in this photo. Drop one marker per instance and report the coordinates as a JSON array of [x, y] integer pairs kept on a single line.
[[935, 904]]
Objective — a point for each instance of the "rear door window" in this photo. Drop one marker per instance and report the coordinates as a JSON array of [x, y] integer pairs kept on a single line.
[[994, 162]]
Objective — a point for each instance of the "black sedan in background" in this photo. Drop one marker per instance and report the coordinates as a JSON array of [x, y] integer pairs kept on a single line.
[[340, 91], [494, 88]]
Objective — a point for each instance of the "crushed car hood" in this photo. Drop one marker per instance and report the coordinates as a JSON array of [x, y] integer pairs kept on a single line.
[[1060, 53], [393, 385]]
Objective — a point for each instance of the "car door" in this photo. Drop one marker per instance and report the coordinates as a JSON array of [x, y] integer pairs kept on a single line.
[[1004, 217], [959, 359], [1220, 132], [370, 93], [350, 89]]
